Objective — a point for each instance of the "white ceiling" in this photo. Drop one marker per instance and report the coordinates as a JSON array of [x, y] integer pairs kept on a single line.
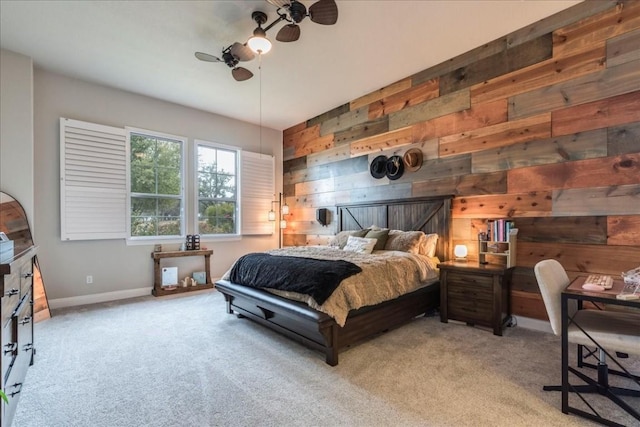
[[147, 47]]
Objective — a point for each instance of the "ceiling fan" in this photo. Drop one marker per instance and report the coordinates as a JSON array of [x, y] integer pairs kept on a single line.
[[323, 12], [231, 56]]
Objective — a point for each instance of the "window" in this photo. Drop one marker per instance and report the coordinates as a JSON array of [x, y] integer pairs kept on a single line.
[[156, 184], [146, 186], [217, 171]]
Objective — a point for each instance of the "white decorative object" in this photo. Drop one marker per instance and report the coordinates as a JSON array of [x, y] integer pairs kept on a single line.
[[361, 245], [169, 276]]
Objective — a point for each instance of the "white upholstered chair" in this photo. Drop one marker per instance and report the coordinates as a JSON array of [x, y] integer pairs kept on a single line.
[[609, 331]]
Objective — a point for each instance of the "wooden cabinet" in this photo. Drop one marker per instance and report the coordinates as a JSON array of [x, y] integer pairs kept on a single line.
[[475, 293], [16, 337], [159, 290]]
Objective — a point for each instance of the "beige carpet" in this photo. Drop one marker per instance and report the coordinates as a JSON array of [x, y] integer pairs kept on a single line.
[[182, 361]]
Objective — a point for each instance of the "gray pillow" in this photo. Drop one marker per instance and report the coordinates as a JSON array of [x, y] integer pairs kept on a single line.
[[381, 236]]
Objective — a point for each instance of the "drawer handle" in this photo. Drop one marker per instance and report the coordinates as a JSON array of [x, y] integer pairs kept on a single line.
[[25, 320], [18, 386], [11, 292], [10, 347], [27, 275]]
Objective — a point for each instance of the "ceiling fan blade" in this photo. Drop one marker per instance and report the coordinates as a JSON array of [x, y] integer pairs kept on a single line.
[[206, 57], [324, 12], [242, 52], [288, 33], [280, 3], [241, 74]]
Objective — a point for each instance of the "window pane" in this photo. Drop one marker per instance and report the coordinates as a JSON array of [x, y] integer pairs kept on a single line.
[[227, 162], [217, 192], [216, 217], [143, 179], [156, 171], [169, 181]]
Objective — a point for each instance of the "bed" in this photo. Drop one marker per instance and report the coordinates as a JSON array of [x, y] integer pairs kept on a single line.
[[319, 330]]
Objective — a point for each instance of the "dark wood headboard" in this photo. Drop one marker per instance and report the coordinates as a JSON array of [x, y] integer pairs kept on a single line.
[[428, 214]]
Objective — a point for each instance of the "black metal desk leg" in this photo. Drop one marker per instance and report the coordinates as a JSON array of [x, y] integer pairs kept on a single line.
[[565, 355]]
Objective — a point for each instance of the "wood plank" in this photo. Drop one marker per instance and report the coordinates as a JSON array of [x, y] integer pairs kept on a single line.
[[500, 135], [540, 75], [334, 169], [294, 129], [623, 139], [291, 239], [369, 128], [613, 111], [585, 230], [601, 259], [506, 61], [527, 304], [385, 141], [478, 116], [613, 22], [314, 146], [440, 168], [341, 109], [624, 48], [603, 84], [301, 137], [314, 187], [383, 192], [358, 180], [322, 199], [288, 153], [618, 170], [344, 121], [534, 204], [330, 155], [553, 150], [624, 230], [294, 165], [612, 200], [319, 239], [462, 185], [379, 94], [430, 109], [407, 98]]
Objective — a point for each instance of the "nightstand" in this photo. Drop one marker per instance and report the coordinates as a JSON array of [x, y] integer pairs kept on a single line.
[[475, 293]]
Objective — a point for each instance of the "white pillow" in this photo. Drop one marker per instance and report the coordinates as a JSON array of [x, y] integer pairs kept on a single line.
[[361, 245], [429, 244]]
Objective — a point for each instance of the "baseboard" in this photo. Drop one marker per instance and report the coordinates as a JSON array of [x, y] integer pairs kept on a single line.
[[534, 324], [96, 298]]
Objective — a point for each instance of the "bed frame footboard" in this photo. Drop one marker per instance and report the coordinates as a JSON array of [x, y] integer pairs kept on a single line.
[[317, 330]]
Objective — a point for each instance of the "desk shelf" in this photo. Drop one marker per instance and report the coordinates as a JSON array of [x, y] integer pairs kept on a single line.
[[159, 290]]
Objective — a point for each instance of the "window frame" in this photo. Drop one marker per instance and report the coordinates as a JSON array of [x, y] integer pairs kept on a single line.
[[196, 197], [183, 199]]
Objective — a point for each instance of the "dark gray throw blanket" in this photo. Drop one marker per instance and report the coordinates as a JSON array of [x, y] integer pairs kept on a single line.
[[315, 277]]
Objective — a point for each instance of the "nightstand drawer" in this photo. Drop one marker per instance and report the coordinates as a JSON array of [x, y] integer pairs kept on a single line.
[[470, 310], [462, 280], [465, 291]]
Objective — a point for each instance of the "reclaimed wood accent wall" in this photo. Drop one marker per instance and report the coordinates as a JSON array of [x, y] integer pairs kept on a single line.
[[541, 126]]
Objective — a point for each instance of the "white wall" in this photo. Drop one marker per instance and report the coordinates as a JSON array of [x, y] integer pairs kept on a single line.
[[116, 267], [16, 129]]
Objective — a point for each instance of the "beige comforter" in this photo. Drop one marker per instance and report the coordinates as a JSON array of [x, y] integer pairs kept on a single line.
[[385, 275]]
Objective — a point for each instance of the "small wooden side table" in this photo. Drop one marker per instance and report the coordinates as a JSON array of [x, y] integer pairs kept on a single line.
[[159, 290], [475, 293]]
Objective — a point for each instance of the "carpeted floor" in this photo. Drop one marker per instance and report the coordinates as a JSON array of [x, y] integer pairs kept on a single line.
[[182, 361]]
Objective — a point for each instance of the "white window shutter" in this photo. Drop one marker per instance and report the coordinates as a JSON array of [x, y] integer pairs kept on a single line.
[[256, 192], [93, 181]]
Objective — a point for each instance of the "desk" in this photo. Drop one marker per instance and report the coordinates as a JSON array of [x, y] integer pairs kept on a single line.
[[575, 292]]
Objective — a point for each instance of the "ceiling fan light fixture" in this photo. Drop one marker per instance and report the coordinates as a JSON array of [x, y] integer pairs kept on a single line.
[[259, 43]]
